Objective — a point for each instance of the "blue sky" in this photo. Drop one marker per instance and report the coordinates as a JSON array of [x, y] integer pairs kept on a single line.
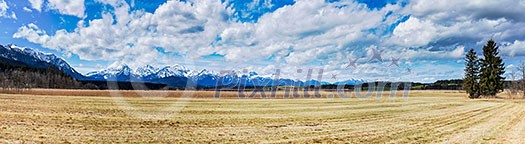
[[430, 37]]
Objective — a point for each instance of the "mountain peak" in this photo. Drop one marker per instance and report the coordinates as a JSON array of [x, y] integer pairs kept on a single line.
[[205, 71], [146, 70], [11, 45], [36, 58], [177, 67], [253, 74], [118, 66], [173, 70], [147, 67]]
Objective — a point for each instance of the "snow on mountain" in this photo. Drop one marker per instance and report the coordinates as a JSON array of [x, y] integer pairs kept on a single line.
[[173, 70], [114, 72], [180, 75], [350, 82], [120, 71], [38, 59], [173, 75], [204, 78], [146, 70]]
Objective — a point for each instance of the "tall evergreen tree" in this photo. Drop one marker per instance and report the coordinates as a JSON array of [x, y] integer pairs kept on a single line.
[[492, 69], [471, 81]]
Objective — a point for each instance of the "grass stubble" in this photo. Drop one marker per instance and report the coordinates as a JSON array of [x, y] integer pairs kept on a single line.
[[93, 117]]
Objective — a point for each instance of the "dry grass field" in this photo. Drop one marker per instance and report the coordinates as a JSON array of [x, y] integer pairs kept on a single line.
[[95, 117]]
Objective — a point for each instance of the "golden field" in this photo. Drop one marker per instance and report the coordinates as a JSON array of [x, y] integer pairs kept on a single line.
[[77, 116]]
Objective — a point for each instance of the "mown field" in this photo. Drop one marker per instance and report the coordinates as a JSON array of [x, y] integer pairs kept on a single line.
[[423, 117]]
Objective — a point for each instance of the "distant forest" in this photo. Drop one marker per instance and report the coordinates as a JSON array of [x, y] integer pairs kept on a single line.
[[17, 75], [438, 85]]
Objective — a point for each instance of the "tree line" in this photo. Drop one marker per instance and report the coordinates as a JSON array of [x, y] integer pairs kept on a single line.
[[516, 85], [18, 76]]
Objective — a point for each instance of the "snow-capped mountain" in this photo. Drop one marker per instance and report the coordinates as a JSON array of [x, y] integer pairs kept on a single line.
[[350, 82], [37, 59], [170, 71], [145, 73], [173, 75], [146, 70], [115, 72], [177, 75], [207, 78]]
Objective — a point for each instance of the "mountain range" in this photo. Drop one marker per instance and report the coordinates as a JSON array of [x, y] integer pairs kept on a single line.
[[173, 75], [38, 59]]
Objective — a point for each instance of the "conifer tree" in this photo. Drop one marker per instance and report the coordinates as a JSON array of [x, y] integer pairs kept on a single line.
[[492, 69], [471, 81]]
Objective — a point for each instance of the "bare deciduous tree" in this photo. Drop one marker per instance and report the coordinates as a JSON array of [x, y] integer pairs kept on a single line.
[[512, 87], [521, 70]]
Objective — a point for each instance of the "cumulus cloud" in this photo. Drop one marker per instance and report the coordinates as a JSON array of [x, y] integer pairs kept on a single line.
[[302, 32], [308, 33], [27, 9], [450, 11], [3, 7], [295, 34], [174, 26], [67, 7], [517, 48], [448, 22], [3, 10], [415, 32], [37, 4]]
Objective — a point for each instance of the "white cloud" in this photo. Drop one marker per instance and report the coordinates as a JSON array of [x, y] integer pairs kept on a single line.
[[13, 15], [3, 10], [36, 4], [415, 32], [32, 33], [301, 32], [442, 26], [175, 26], [457, 53], [294, 36], [3, 7], [450, 11], [514, 49], [113, 3], [67, 7], [27, 9], [454, 21]]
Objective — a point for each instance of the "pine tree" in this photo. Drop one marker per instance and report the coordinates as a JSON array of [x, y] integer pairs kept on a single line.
[[471, 81], [492, 69]]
